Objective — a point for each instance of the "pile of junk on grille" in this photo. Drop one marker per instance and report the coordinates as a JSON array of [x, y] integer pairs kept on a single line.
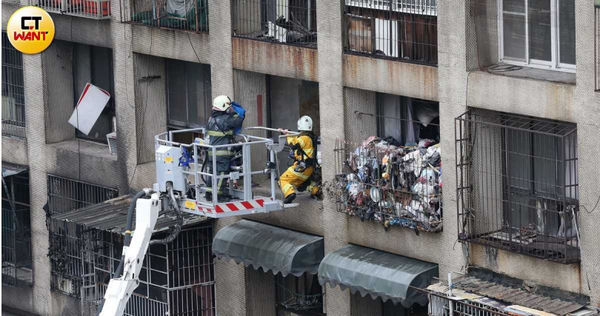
[[392, 184]]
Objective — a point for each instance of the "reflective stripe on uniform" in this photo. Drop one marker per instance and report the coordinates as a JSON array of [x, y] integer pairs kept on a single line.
[[219, 133], [223, 153]]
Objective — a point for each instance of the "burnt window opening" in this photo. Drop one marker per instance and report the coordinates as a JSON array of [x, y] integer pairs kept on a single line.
[[518, 184], [185, 15], [404, 30], [281, 21], [93, 64], [394, 177], [13, 90], [299, 295], [16, 231], [188, 94]]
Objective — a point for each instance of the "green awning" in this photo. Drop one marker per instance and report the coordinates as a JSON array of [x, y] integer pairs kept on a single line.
[[269, 248], [379, 274]]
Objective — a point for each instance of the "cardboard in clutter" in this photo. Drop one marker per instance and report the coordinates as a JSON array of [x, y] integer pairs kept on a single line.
[[89, 107]]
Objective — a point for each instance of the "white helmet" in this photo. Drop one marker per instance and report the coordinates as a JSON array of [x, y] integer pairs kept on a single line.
[[305, 123], [221, 103]]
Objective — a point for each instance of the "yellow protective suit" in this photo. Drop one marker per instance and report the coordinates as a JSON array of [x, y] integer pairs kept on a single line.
[[291, 178]]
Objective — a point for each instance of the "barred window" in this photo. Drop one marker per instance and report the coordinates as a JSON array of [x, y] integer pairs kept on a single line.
[[518, 184], [13, 91], [186, 15], [396, 29]]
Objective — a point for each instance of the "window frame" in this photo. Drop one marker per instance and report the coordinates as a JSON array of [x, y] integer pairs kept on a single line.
[[110, 108], [177, 124], [554, 63]]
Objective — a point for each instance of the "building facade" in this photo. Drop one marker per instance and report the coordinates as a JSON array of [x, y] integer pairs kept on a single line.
[[506, 91]]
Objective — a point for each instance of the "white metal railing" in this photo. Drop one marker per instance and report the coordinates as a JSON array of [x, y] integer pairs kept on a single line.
[[96, 9], [201, 181]]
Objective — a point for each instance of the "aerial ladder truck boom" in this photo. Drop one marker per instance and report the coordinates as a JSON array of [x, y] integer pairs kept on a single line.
[[182, 180]]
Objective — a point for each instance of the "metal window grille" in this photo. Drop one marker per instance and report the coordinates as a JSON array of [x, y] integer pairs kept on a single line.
[[13, 91], [95, 9], [281, 21], [517, 184], [302, 294], [16, 231], [442, 305], [407, 183], [66, 238], [396, 29], [186, 15], [67, 194], [176, 278]]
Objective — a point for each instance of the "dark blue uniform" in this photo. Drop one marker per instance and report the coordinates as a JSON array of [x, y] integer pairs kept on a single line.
[[220, 129]]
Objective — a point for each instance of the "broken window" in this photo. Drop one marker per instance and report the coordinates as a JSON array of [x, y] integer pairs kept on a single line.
[[518, 183], [538, 33], [188, 94], [188, 15], [397, 29], [299, 295], [93, 64], [16, 229], [283, 21], [13, 91], [394, 178]]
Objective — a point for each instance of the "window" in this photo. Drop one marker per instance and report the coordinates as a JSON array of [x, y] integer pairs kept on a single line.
[[188, 15], [13, 91], [16, 230], [283, 21], [94, 65], [188, 94], [301, 295], [398, 29], [538, 33], [518, 182], [407, 120]]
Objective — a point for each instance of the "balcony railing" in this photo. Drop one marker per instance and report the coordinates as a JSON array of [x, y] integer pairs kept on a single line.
[[403, 30], [95, 9], [186, 15], [517, 184], [281, 21]]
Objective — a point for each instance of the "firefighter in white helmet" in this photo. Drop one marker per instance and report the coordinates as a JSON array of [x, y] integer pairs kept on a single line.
[[304, 152], [220, 129]]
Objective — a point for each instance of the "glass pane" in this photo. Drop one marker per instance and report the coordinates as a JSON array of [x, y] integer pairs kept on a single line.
[[198, 93], [176, 91], [514, 36], [540, 30], [513, 6], [566, 12]]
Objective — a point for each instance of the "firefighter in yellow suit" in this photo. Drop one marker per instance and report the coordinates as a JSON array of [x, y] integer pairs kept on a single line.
[[299, 175]]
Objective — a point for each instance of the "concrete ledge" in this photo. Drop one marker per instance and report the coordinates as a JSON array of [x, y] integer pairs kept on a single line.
[[14, 150], [275, 59], [389, 76], [168, 43], [526, 96], [82, 30]]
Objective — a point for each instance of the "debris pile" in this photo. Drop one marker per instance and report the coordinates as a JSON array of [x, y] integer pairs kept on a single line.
[[393, 185]]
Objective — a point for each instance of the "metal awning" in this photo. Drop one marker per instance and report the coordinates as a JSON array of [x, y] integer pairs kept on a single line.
[[11, 169], [270, 248], [111, 216], [380, 274]]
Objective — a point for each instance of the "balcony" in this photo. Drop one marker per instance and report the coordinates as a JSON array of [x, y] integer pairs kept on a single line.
[[279, 21], [94, 9], [13, 91], [183, 15], [404, 30], [517, 184]]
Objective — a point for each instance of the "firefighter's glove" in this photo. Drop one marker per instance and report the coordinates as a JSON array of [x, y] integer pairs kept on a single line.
[[300, 167]]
